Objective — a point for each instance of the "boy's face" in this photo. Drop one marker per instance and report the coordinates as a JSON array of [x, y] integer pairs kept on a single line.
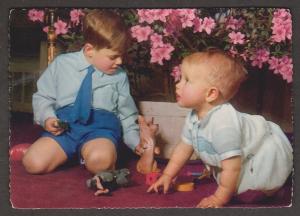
[[106, 60], [191, 90]]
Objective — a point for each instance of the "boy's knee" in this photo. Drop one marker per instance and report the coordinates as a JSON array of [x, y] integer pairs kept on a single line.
[[97, 162], [33, 166]]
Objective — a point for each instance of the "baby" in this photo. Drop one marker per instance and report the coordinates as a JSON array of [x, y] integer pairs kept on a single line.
[[243, 152]]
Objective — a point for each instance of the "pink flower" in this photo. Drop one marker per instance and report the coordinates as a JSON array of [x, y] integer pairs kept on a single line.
[[36, 15], [288, 31], [282, 25], [156, 56], [286, 69], [156, 40], [161, 53], [75, 15], [161, 14], [173, 24], [274, 64], [282, 14], [60, 27], [234, 24], [141, 33], [198, 26], [46, 29], [186, 22], [145, 15], [208, 24], [279, 33], [236, 37], [176, 73], [186, 12], [150, 15], [261, 56], [186, 17]]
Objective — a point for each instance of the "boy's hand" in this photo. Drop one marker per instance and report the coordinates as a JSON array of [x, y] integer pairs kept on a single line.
[[51, 125], [165, 181], [211, 202]]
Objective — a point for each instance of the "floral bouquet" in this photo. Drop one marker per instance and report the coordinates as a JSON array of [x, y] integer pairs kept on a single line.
[[260, 37]]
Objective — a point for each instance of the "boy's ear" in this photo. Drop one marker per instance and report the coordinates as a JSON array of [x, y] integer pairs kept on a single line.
[[212, 94], [89, 49]]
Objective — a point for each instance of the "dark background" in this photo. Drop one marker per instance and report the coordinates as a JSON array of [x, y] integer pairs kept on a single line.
[[6, 5]]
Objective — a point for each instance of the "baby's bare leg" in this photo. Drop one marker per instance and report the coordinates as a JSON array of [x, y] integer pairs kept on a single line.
[[99, 155], [43, 156]]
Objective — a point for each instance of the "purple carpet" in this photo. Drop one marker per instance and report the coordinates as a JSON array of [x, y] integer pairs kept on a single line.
[[65, 188]]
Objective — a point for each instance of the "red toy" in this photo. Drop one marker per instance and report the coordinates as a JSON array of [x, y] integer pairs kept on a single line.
[[17, 152], [152, 177]]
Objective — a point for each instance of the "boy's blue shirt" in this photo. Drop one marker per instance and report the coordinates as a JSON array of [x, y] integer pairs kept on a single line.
[[59, 84]]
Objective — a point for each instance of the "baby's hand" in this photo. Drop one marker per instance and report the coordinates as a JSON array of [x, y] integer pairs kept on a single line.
[[211, 202], [164, 181], [51, 125]]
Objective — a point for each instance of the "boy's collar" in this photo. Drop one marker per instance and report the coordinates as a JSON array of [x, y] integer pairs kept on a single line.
[[82, 63], [202, 122]]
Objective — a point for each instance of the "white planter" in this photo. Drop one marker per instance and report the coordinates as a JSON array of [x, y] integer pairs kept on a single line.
[[170, 118]]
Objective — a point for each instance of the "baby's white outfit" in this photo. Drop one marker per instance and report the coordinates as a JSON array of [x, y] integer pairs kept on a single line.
[[266, 153]]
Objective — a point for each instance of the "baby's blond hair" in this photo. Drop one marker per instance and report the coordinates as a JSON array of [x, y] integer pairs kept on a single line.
[[227, 73]]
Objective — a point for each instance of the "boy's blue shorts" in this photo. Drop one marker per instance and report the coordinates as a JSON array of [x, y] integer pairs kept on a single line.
[[101, 124]]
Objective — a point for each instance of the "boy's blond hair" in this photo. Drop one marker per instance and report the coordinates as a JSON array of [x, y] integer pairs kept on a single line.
[[105, 29], [226, 74]]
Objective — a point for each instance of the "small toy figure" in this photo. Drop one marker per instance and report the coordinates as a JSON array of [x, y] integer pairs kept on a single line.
[[63, 125], [152, 177], [206, 173], [184, 186], [105, 182]]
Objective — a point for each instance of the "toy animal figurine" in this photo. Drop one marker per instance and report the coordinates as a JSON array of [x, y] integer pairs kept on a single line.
[[105, 182]]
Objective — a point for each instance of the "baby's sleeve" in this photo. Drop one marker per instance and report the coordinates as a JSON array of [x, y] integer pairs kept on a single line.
[[227, 142]]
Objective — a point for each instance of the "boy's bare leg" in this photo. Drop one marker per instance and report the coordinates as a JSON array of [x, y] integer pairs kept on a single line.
[[99, 154], [43, 156], [146, 163]]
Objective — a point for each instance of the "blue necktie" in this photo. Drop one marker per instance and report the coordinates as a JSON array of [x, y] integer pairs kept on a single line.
[[83, 102]]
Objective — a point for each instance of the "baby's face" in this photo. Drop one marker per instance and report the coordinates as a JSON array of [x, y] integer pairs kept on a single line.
[[192, 88], [106, 60]]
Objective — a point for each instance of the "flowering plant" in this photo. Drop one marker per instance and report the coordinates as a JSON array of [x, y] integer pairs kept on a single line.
[[260, 37], [67, 25]]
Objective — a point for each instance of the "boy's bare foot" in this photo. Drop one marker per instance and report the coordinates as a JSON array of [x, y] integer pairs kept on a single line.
[[146, 163]]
